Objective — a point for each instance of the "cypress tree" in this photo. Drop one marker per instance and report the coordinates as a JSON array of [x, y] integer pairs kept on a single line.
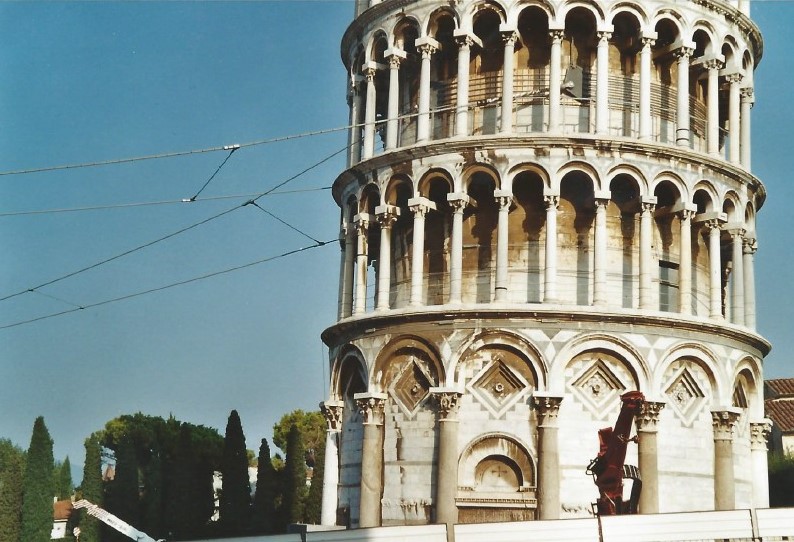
[[152, 501], [12, 469], [122, 497], [91, 489], [264, 507], [235, 500], [38, 487], [63, 480], [314, 501], [294, 478]]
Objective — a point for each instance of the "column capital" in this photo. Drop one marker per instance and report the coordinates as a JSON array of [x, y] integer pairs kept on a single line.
[[362, 221], [648, 41], [750, 245], [648, 418], [604, 36], [427, 46], [713, 64], [648, 206], [332, 411], [394, 52], [759, 434], [421, 205], [684, 52], [551, 200], [371, 407], [448, 402], [459, 201], [734, 78], [509, 36], [735, 231], [547, 406], [724, 420], [386, 215], [466, 39], [556, 35], [504, 198], [747, 94]]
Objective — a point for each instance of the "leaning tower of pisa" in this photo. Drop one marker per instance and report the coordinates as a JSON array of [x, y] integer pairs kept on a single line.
[[547, 203]]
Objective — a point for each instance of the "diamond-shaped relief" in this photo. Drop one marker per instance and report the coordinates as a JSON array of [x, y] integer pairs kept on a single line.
[[497, 386], [686, 396], [411, 387], [599, 388]]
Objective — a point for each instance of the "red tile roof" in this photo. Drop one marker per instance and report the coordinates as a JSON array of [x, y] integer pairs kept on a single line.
[[780, 387], [62, 510]]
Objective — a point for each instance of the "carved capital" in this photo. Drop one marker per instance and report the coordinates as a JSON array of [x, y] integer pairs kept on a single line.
[[648, 418], [427, 50], [759, 434], [551, 202], [465, 41], [448, 403], [504, 202], [686, 214], [547, 407], [647, 42], [684, 52], [713, 225], [362, 224], [747, 93], [369, 73], [713, 64], [371, 407], [734, 78], [750, 245], [556, 35], [387, 215], [510, 37], [648, 207], [332, 410], [723, 422], [604, 37]]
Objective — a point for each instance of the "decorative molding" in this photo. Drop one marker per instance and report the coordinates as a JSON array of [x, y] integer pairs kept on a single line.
[[724, 420], [448, 402], [648, 418], [371, 406], [759, 434], [547, 407], [332, 411]]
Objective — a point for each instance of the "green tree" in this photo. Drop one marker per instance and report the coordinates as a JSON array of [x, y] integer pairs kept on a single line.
[[12, 469], [122, 494], [38, 486], [63, 480], [781, 480], [312, 429], [235, 500], [264, 507], [91, 489], [314, 501], [152, 520], [294, 478]]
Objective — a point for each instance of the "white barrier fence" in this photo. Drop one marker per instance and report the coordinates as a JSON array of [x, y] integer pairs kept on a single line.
[[762, 525]]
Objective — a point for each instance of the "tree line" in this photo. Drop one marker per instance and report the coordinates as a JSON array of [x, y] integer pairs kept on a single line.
[[170, 479]]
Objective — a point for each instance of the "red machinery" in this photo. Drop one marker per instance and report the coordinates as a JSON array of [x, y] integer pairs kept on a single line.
[[609, 468]]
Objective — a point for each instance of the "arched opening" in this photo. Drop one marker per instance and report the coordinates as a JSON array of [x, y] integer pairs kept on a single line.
[[698, 89], [479, 239], [624, 81], [701, 280], [667, 244], [575, 238], [351, 380], [370, 199], [398, 194], [623, 234], [578, 61], [443, 74], [486, 72], [381, 80], [438, 229], [405, 36], [664, 91], [526, 252], [531, 77]]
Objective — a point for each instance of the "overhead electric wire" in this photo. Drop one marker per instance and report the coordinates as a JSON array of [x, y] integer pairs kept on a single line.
[[287, 224], [231, 152], [167, 286], [154, 203], [173, 234]]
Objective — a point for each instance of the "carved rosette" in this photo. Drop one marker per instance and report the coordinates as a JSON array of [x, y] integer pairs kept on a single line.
[[648, 418], [759, 434], [448, 403], [332, 410], [371, 408], [723, 422], [548, 409]]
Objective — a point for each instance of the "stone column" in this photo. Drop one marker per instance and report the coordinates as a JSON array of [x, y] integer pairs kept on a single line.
[[746, 106], [426, 46], [548, 409], [550, 280], [682, 110], [648, 455], [737, 277], [458, 202], [354, 133], [713, 103], [759, 433], [645, 87], [419, 206], [369, 112], [386, 215], [504, 199], [602, 83], [646, 260], [685, 264], [447, 473], [724, 484], [509, 37], [346, 308], [465, 42], [600, 249], [371, 406], [715, 269], [332, 410], [749, 282], [734, 121], [394, 56], [362, 260], [555, 77]]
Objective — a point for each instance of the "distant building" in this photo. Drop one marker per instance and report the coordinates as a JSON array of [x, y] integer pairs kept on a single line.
[[779, 395], [62, 513]]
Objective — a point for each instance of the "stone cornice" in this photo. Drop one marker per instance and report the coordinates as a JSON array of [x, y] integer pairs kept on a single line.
[[359, 172], [449, 317]]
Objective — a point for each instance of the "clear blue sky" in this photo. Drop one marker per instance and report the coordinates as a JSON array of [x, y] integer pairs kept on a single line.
[[95, 81]]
